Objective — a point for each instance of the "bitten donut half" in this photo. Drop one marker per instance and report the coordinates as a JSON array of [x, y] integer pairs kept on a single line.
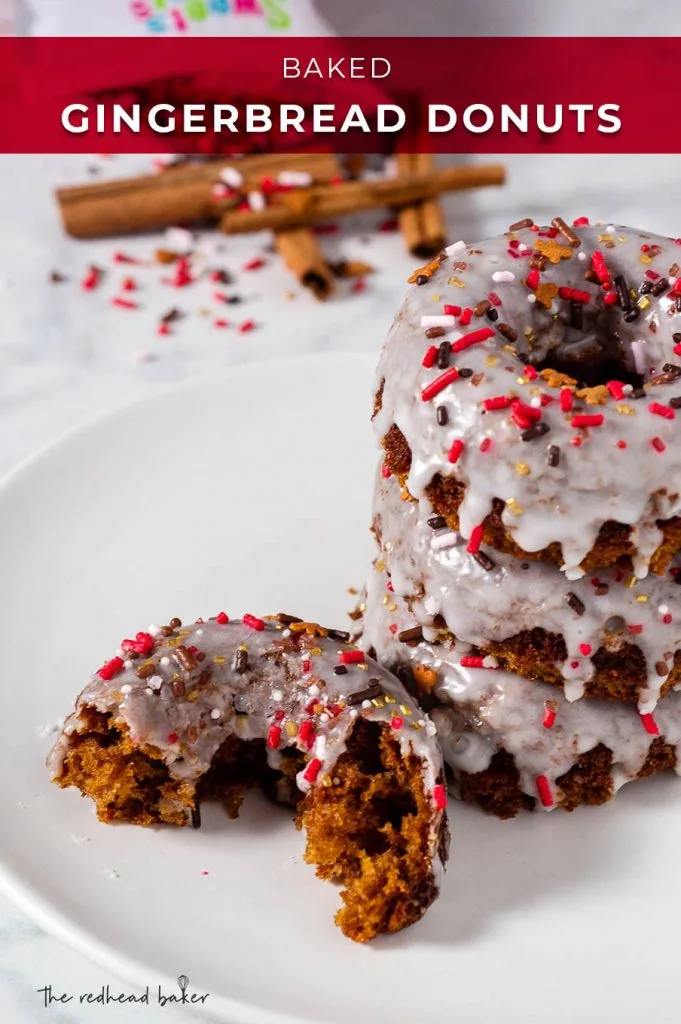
[[530, 388], [182, 715]]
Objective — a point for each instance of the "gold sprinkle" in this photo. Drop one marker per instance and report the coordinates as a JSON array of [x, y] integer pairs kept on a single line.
[[436, 297], [513, 507], [380, 565], [388, 698], [184, 632], [291, 728], [385, 599], [522, 468], [405, 710], [605, 238], [327, 781], [457, 282], [644, 259], [392, 607], [363, 666], [491, 360], [173, 641], [621, 238], [192, 696], [632, 582], [362, 606], [510, 349], [218, 659], [643, 302], [315, 652], [377, 702], [416, 725], [624, 410], [642, 598]]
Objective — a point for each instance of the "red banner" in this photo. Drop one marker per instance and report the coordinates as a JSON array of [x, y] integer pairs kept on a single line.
[[464, 95]]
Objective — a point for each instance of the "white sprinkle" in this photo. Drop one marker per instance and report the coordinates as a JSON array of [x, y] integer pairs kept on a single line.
[[522, 247], [277, 695], [610, 228], [431, 728], [179, 239], [126, 688], [489, 661], [165, 660], [663, 609], [324, 719], [581, 255], [153, 629], [366, 704], [216, 713], [286, 632], [437, 320], [637, 351], [354, 712], [314, 690], [219, 191], [531, 299], [320, 746], [455, 248], [231, 177], [444, 540], [503, 275], [127, 664], [431, 605], [256, 201], [156, 682], [535, 402], [627, 388], [299, 179], [149, 692]]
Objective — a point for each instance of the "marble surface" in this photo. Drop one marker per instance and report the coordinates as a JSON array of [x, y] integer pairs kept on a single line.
[[67, 354]]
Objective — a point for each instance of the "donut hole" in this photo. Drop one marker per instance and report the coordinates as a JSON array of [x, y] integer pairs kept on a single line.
[[587, 344]]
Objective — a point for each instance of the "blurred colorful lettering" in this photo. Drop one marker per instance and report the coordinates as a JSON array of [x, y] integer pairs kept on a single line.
[[180, 15]]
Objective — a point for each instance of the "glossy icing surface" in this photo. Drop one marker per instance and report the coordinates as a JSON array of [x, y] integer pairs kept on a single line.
[[511, 307], [504, 596], [293, 685]]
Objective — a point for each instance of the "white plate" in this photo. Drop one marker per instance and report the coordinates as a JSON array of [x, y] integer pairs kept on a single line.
[[253, 492]]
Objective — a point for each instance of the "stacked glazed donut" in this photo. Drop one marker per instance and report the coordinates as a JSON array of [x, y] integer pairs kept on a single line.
[[528, 509]]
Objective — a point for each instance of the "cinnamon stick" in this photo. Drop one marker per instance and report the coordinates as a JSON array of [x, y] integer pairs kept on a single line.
[[308, 206], [178, 195], [422, 224], [299, 249]]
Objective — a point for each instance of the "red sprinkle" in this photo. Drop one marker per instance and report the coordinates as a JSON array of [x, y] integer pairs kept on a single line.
[[498, 402], [430, 358], [485, 444], [635, 628], [474, 338], [471, 661], [662, 410], [129, 284], [585, 649], [246, 326], [475, 539], [393, 627], [530, 372], [397, 722], [110, 668], [667, 618], [650, 725], [254, 264], [121, 257], [163, 328], [528, 411], [593, 420], [494, 298], [257, 624], [273, 737], [358, 285], [124, 303], [440, 796], [352, 657], [544, 791], [222, 618], [549, 716], [439, 384], [312, 771], [466, 317], [565, 399], [616, 389], [389, 586], [610, 298], [385, 471], [172, 737], [532, 279], [306, 732], [658, 444], [576, 294], [581, 222], [621, 444], [600, 269], [455, 451], [221, 323], [91, 279], [451, 310]]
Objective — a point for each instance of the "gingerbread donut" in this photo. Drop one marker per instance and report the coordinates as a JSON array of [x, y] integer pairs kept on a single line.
[[184, 715], [608, 635], [511, 743], [529, 388]]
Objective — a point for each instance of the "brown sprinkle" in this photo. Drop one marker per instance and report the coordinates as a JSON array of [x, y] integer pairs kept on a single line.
[[434, 332], [374, 689], [553, 455], [405, 636], [240, 661], [185, 658], [568, 234], [484, 560], [526, 222], [146, 670], [508, 332], [574, 602]]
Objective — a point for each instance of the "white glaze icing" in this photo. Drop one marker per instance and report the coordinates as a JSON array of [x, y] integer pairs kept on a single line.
[[433, 570], [616, 473], [203, 697], [493, 710]]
